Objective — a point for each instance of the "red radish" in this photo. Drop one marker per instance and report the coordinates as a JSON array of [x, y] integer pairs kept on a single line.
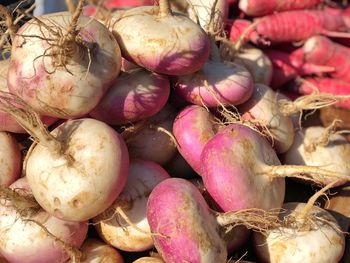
[[110, 4], [288, 66], [95, 251], [134, 96], [131, 205], [7, 123], [62, 65], [185, 229], [304, 233], [161, 40], [325, 85], [20, 217], [306, 23], [322, 51], [151, 139], [10, 159], [263, 107], [192, 128], [318, 146], [266, 7], [241, 26]]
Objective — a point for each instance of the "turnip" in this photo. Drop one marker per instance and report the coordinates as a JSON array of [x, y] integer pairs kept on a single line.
[[161, 40], [134, 96], [77, 170], [62, 64], [10, 159], [30, 235], [263, 107], [241, 170], [8, 123], [217, 83], [179, 167], [309, 234], [131, 206], [186, 230], [151, 139], [148, 260], [95, 251], [192, 128], [319, 146]]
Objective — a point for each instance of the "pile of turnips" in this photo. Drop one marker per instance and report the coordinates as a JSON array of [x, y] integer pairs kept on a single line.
[[163, 131]]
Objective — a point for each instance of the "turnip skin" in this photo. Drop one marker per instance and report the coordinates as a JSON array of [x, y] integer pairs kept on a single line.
[[288, 244], [96, 251], [232, 161], [134, 96], [177, 210], [192, 128], [334, 156], [228, 84], [34, 246], [142, 178], [45, 86], [166, 44], [148, 260], [10, 159], [94, 179]]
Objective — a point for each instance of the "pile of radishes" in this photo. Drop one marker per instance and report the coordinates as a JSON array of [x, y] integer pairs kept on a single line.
[[152, 131]]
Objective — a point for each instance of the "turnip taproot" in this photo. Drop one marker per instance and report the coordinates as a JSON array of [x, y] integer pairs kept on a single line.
[[134, 96], [31, 235], [113, 225], [161, 40], [62, 64]]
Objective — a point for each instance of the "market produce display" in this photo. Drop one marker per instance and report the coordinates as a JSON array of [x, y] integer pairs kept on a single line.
[[175, 131]]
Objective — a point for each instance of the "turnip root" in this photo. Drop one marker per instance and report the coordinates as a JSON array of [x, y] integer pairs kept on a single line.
[[7, 123], [95, 251], [319, 146], [10, 159], [134, 96], [62, 65], [43, 238], [241, 170], [309, 234], [263, 107], [192, 128], [149, 260], [151, 139], [186, 230], [131, 206], [161, 40]]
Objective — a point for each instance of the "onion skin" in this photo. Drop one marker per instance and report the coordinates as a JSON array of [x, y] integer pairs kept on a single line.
[[94, 179]]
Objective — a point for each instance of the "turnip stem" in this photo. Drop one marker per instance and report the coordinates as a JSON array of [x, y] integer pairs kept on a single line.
[[164, 8], [313, 173]]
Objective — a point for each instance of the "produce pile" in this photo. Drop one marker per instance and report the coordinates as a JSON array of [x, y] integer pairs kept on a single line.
[[175, 131]]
